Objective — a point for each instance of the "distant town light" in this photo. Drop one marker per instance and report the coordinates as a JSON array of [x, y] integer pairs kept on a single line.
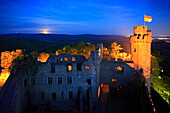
[[159, 77]]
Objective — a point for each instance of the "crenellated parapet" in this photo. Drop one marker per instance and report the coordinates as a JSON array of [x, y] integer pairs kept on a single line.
[[141, 35]]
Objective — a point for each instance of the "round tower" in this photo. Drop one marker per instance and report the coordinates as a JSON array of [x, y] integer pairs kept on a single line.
[[141, 51]]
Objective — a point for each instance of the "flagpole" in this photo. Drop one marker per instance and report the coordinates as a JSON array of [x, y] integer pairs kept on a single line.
[[144, 20]]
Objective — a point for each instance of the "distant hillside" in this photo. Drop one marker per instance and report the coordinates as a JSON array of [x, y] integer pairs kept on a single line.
[[51, 42], [55, 37]]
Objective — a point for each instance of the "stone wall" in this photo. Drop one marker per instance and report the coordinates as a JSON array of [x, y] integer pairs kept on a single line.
[[108, 72]]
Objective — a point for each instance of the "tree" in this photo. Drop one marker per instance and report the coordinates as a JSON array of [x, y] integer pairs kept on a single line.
[[67, 49], [80, 46], [43, 57], [34, 54], [159, 57], [159, 83], [105, 52], [115, 50]]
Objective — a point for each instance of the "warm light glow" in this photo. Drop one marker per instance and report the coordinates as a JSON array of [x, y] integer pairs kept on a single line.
[[66, 59], [7, 58], [57, 53], [45, 31], [159, 77], [113, 80], [43, 57], [119, 68], [101, 85], [73, 59], [69, 68], [154, 109], [87, 67], [4, 76], [61, 59], [99, 92]]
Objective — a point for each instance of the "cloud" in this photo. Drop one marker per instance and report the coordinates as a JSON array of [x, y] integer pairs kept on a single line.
[[47, 21]]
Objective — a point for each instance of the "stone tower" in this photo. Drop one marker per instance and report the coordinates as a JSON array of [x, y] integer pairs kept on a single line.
[[141, 51]]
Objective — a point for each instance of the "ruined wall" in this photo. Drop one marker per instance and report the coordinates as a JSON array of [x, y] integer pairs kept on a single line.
[[79, 76], [108, 71]]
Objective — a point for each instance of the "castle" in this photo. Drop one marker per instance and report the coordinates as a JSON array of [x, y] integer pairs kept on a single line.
[[72, 80]]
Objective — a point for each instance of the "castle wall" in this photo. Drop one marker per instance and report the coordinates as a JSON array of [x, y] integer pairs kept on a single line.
[[108, 72], [82, 78]]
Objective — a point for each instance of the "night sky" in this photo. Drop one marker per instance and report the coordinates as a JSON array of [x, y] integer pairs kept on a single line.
[[113, 17]]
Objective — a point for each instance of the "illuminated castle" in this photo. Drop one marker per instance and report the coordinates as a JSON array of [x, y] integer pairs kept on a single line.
[[73, 83], [141, 51]]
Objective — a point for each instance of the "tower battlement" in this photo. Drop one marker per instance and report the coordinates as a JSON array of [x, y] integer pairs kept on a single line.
[[141, 35]]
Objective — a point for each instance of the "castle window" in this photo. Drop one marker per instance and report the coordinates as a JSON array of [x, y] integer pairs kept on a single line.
[[42, 95], [52, 68], [32, 80], [119, 70], [60, 80], [79, 66], [70, 94], [87, 67], [89, 81], [25, 82], [61, 59], [49, 80], [135, 50], [69, 68], [143, 36], [114, 81], [138, 36], [70, 80], [66, 59], [73, 59]]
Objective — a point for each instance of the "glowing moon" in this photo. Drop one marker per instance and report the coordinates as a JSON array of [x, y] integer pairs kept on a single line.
[[45, 31]]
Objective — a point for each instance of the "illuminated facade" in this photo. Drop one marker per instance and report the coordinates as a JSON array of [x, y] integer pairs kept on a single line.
[[65, 78], [141, 51], [72, 80]]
